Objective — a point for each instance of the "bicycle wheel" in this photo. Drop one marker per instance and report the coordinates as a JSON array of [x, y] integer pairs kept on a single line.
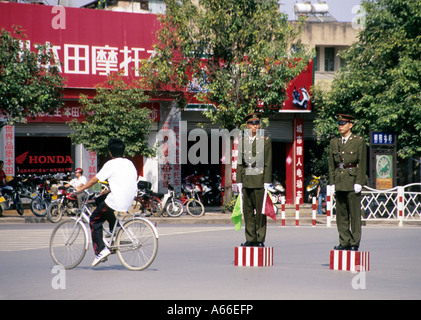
[[195, 208], [69, 243], [175, 209], [137, 244]]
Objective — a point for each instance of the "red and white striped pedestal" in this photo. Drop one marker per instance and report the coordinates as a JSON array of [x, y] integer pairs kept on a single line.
[[349, 260], [253, 256]]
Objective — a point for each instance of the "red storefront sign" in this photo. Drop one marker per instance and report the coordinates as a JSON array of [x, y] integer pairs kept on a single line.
[[89, 43]]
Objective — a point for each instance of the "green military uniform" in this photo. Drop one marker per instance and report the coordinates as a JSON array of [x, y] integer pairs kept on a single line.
[[347, 167], [253, 171]]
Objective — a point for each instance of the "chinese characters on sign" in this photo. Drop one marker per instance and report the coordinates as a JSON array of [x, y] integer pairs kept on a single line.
[[70, 111], [299, 159], [102, 60], [383, 138], [169, 162], [8, 138], [92, 164], [234, 159], [96, 60]]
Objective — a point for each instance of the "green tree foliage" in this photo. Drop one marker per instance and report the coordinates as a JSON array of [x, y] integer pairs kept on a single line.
[[233, 55], [238, 53], [29, 81], [381, 82], [115, 111]]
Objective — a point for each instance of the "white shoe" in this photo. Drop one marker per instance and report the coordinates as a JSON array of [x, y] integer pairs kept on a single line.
[[101, 256]]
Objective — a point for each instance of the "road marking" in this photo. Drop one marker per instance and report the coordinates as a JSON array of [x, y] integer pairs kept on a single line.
[[25, 239], [161, 232], [33, 239]]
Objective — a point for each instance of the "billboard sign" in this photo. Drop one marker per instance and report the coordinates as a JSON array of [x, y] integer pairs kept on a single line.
[[87, 44]]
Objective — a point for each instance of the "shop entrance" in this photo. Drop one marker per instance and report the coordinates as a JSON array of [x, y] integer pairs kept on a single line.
[[208, 177], [278, 161]]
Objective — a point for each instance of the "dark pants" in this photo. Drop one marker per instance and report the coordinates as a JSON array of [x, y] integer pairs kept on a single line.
[[348, 217], [101, 214], [255, 221], [81, 197]]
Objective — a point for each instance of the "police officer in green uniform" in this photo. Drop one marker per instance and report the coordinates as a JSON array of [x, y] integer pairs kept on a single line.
[[347, 173], [254, 170]]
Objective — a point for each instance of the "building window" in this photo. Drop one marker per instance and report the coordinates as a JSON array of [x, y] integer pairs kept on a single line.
[[329, 59], [144, 4], [317, 60]]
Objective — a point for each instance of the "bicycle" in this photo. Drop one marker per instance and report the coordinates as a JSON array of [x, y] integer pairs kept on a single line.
[[134, 240], [193, 204]]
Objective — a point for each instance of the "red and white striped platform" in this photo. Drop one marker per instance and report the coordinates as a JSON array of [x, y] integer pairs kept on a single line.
[[349, 260], [253, 256]]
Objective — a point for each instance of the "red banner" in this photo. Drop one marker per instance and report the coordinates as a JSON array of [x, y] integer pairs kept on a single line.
[[299, 159], [89, 43]]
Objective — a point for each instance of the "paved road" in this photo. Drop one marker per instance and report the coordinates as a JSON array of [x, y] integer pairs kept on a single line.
[[196, 262]]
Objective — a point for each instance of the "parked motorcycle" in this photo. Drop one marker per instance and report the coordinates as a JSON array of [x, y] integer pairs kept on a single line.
[[211, 190], [66, 204], [149, 201], [276, 189], [207, 187], [157, 204], [172, 208], [46, 192], [193, 181], [2, 200], [311, 188], [11, 195], [24, 186]]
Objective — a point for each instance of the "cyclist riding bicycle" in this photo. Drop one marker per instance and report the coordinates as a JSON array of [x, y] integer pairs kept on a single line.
[[122, 179]]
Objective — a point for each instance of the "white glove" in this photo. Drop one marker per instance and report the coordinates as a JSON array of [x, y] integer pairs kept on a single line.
[[357, 188], [239, 187], [332, 189], [267, 185]]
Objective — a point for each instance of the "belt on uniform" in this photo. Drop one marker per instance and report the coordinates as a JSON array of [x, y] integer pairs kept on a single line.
[[251, 165], [346, 165]]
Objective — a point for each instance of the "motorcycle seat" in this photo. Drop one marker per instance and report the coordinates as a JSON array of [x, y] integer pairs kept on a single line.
[[154, 194], [159, 195]]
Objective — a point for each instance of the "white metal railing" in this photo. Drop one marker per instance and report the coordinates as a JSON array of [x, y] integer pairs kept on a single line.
[[399, 203]]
